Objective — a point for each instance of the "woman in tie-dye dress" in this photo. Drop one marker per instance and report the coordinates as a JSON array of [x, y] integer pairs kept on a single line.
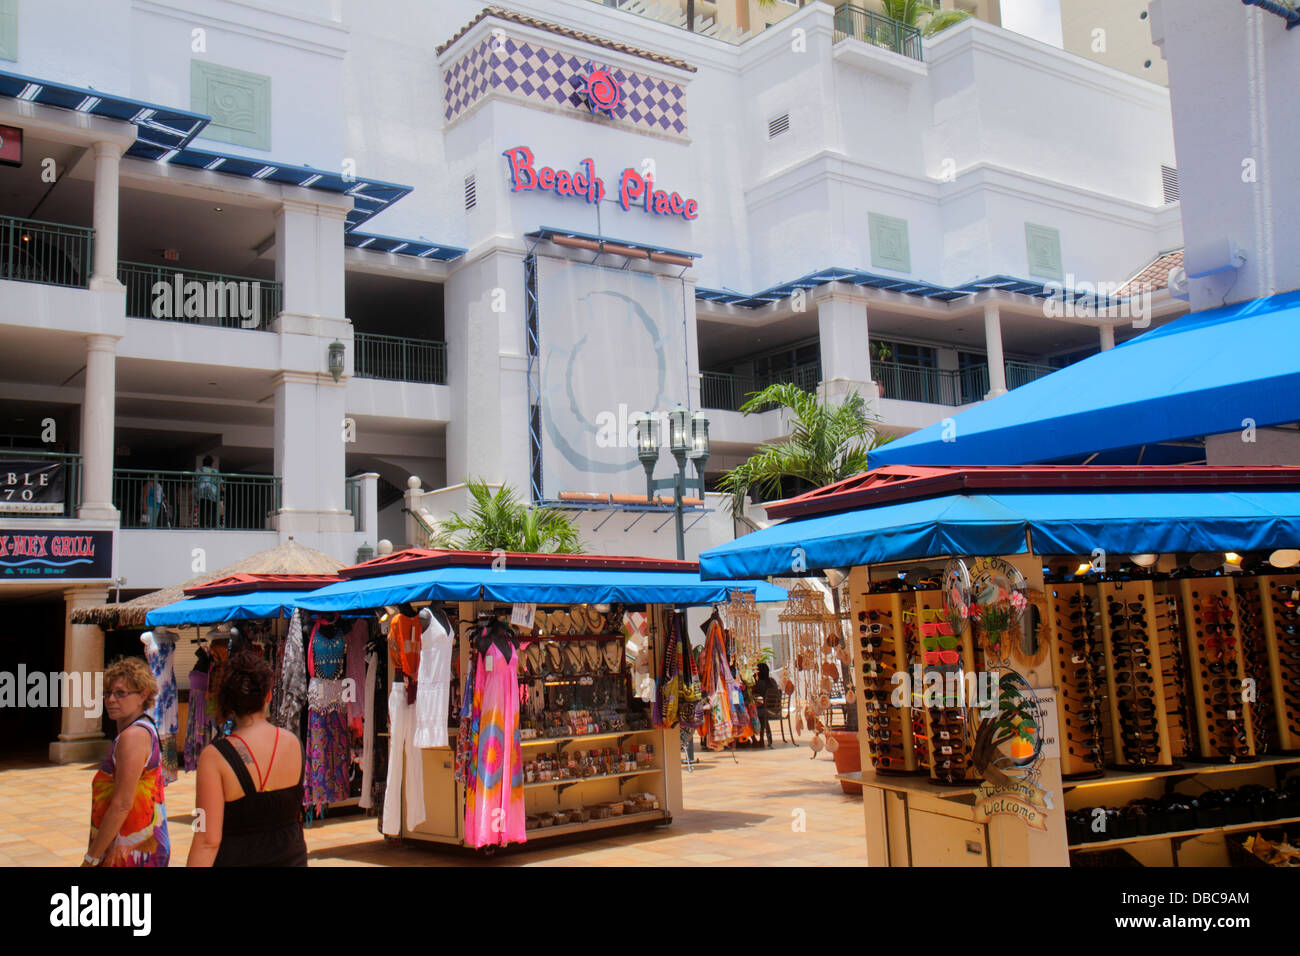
[[128, 818], [490, 759]]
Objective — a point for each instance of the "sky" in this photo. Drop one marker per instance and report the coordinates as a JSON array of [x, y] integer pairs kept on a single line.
[[1040, 19]]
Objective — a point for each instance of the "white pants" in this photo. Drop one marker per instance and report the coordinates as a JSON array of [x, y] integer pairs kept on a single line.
[[368, 736], [402, 750]]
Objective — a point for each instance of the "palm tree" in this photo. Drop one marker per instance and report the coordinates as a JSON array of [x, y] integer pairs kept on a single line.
[[499, 520], [917, 12], [827, 442]]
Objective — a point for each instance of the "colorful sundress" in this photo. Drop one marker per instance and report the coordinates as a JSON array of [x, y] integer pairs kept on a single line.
[[329, 751], [160, 652], [199, 727], [143, 836], [493, 772]]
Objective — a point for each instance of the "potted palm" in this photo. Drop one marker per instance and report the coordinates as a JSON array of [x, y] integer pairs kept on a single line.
[[883, 353]]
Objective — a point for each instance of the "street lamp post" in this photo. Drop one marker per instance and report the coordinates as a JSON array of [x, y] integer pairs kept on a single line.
[[688, 438]]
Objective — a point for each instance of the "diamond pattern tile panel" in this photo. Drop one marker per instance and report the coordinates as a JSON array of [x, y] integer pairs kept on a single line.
[[558, 79]]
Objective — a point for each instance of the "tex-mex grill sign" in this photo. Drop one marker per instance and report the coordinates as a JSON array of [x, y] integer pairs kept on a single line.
[[33, 553], [635, 191]]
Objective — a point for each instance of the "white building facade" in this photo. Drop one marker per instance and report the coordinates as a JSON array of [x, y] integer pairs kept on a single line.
[[354, 252]]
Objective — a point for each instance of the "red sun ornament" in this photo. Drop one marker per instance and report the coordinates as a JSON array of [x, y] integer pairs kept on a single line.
[[603, 91]]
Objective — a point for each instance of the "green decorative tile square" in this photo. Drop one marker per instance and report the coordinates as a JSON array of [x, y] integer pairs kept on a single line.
[[8, 29], [239, 103], [1044, 247], [889, 245]]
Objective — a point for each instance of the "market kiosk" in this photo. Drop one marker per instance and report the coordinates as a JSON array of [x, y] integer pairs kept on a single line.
[[592, 634], [259, 608], [1124, 645]]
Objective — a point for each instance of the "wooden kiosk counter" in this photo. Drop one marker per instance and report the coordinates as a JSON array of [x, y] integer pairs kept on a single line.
[[591, 634], [1064, 665]]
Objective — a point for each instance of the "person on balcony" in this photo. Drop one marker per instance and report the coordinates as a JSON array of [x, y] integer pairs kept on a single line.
[[154, 502], [207, 489]]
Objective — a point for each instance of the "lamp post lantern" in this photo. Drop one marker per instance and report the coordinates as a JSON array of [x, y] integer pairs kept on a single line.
[[688, 438]]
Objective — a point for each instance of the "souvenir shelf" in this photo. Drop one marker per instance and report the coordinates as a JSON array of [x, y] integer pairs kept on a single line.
[[1135, 674], [1079, 670], [949, 725], [1280, 611], [879, 654], [1213, 627]]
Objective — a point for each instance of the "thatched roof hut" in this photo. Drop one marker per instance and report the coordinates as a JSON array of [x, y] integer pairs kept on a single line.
[[287, 558]]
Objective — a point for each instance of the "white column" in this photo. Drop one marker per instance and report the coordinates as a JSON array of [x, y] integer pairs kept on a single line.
[[310, 450], [487, 369], [993, 346], [81, 738], [1107, 333], [370, 506], [98, 422], [845, 347], [108, 158]]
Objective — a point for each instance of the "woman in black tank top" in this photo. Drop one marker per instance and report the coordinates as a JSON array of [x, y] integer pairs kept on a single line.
[[261, 827], [264, 827]]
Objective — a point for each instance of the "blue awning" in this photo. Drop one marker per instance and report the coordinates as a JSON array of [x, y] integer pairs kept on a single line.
[[1121, 523], [157, 127], [219, 608], [1204, 374], [530, 585]]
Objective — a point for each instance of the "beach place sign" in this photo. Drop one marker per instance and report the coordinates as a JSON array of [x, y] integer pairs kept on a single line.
[[634, 190]]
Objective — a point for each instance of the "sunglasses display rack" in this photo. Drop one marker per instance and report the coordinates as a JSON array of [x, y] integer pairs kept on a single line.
[[1223, 715], [949, 727], [1255, 661], [1280, 612], [888, 729], [1176, 673], [1134, 674], [1078, 669]]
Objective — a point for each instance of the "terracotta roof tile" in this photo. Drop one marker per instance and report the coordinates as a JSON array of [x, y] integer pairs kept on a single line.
[[502, 14], [1154, 275]]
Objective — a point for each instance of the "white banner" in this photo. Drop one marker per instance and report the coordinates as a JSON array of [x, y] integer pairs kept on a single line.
[[612, 345]]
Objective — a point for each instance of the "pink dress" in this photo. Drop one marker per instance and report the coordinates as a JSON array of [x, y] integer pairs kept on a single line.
[[494, 784]]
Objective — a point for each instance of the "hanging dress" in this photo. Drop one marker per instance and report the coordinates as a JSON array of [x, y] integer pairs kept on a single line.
[[328, 752], [290, 693], [721, 725], [433, 686], [494, 791], [160, 652], [198, 725], [143, 836]]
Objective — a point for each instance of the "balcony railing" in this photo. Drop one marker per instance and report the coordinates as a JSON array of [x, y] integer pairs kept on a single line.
[[399, 359], [728, 391], [46, 252], [916, 383], [39, 484], [1022, 373], [217, 501], [877, 29], [199, 298]]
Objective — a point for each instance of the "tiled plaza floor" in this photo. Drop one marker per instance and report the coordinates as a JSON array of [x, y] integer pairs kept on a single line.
[[735, 813]]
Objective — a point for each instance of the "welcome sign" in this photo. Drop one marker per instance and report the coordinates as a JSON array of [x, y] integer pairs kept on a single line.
[[634, 190]]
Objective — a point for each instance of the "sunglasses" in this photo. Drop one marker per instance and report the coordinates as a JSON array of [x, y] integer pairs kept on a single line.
[[947, 642], [942, 657], [1116, 607]]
